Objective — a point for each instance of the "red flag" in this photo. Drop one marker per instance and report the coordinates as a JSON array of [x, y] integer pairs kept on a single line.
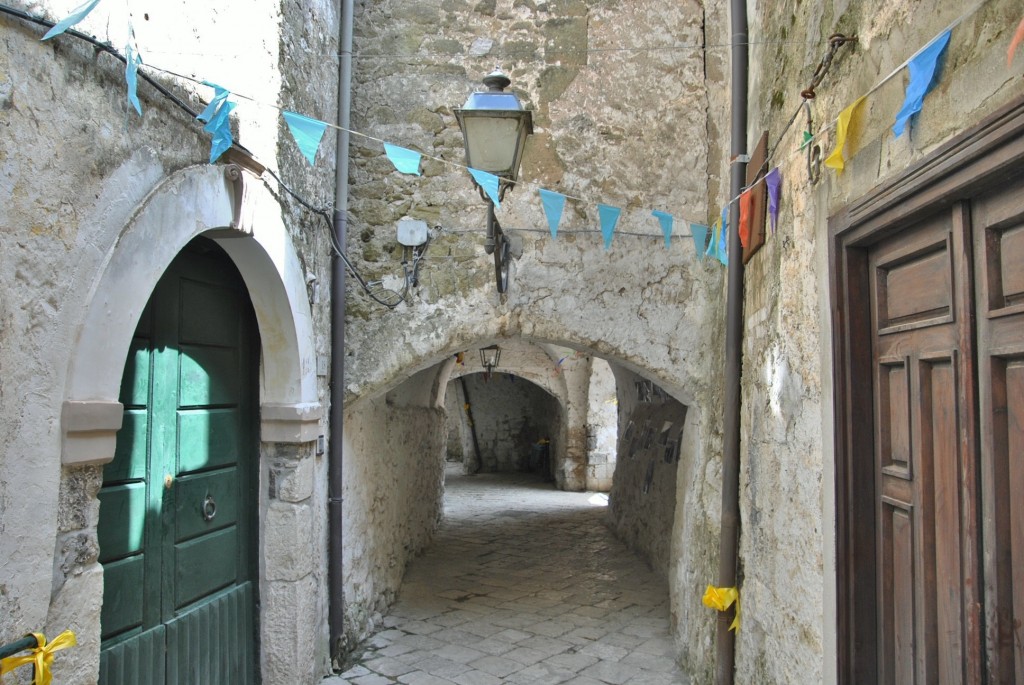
[[746, 210], [1017, 38]]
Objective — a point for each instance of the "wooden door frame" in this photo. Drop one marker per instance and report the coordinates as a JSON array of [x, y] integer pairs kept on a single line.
[[970, 162]]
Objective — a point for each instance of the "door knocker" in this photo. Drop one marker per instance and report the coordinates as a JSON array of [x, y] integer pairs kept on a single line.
[[209, 508]]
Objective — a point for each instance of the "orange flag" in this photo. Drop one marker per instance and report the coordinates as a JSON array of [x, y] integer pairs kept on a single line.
[[746, 210], [845, 127], [1017, 38]]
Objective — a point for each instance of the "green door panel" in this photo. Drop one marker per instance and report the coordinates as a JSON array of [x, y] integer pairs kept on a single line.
[[208, 376], [175, 581], [190, 505], [122, 519], [139, 660], [204, 565], [212, 644], [216, 322], [132, 446], [135, 382], [122, 610], [208, 439]]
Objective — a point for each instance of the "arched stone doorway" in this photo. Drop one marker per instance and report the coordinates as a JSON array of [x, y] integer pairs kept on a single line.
[[237, 212]]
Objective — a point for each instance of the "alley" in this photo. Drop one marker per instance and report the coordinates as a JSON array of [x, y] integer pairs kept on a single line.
[[524, 584]]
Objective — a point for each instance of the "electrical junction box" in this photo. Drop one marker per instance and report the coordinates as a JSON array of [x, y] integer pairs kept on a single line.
[[412, 232]]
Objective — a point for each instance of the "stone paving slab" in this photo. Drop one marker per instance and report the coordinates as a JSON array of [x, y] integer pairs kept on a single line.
[[524, 584]]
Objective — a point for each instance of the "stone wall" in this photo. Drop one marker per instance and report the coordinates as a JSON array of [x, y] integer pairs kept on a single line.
[[510, 415], [642, 502], [394, 475], [787, 478], [457, 445], [602, 426]]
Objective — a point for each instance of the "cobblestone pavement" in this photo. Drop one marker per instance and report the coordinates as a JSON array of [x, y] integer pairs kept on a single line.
[[523, 584]]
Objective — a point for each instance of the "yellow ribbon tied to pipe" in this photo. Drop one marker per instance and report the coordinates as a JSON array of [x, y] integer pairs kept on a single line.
[[721, 598], [41, 656]]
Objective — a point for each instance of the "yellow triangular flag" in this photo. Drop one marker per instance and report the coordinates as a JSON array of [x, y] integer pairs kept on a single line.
[[846, 127]]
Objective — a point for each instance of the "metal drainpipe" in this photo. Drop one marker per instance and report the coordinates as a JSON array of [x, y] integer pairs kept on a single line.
[[729, 542], [336, 579]]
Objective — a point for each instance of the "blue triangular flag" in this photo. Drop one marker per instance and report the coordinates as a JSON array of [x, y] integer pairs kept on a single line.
[[220, 94], [132, 60], [700, 238], [220, 127], [723, 237], [553, 204], [406, 161], [487, 181], [666, 225], [77, 15], [713, 243], [218, 120], [307, 133], [609, 217], [924, 74]]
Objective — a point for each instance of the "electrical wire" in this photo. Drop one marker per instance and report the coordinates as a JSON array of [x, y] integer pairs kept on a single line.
[[516, 54]]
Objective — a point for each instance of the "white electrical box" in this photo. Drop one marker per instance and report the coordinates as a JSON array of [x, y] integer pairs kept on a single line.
[[412, 232]]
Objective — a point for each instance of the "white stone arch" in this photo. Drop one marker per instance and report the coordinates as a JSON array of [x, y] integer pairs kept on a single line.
[[230, 206]]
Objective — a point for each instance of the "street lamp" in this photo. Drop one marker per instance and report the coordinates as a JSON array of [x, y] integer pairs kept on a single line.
[[489, 358], [494, 129]]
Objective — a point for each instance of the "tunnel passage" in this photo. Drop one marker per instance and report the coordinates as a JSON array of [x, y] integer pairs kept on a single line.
[[523, 584], [397, 447]]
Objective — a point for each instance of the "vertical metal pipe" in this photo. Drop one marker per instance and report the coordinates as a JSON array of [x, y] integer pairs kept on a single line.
[[729, 541], [336, 579]]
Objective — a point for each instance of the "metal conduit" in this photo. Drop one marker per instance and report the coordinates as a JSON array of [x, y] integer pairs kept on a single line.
[[725, 640], [336, 483]]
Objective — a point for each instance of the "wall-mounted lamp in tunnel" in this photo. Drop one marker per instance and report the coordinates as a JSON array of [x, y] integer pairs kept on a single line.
[[494, 130], [489, 358]]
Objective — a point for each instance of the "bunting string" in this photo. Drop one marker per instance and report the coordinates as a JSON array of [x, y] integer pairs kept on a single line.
[[834, 123], [307, 131], [524, 55], [423, 155]]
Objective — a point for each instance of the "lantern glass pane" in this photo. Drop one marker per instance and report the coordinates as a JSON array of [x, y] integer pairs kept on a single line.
[[492, 143]]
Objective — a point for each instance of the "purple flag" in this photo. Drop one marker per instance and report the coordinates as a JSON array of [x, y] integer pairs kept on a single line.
[[774, 183], [924, 74]]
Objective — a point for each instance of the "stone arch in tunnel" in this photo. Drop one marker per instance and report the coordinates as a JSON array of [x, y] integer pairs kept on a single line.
[[397, 372]]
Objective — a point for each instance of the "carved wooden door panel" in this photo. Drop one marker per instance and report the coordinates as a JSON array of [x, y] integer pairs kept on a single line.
[[918, 323], [999, 255]]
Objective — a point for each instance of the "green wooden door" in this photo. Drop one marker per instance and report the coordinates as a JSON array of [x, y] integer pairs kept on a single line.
[[176, 526]]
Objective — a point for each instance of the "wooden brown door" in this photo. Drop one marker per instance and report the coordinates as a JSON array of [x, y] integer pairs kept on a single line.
[[920, 411], [928, 324], [998, 219]]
